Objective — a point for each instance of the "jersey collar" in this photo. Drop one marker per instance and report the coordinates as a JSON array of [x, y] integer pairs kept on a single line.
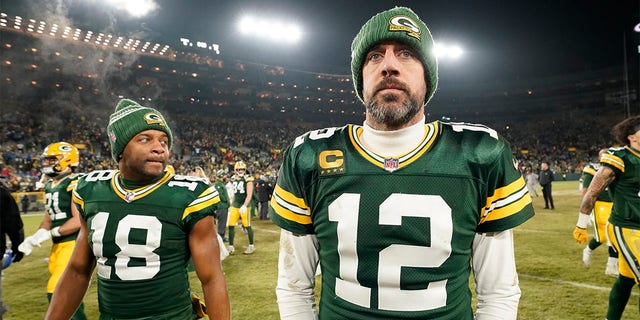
[[130, 195], [391, 163]]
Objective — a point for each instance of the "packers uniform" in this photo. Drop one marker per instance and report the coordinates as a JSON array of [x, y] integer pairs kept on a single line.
[[240, 195], [58, 207], [624, 224], [602, 206], [395, 234], [139, 236]]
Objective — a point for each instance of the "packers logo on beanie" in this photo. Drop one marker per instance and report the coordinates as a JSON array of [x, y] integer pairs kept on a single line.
[[399, 24], [128, 120]]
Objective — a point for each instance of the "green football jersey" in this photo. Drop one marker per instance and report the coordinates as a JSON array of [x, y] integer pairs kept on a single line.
[[58, 204], [140, 240], [625, 188], [395, 234], [588, 173], [222, 192], [240, 188]]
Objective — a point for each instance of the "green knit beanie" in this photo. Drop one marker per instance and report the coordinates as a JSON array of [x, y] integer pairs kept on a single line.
[[399, 24], [128, 120]]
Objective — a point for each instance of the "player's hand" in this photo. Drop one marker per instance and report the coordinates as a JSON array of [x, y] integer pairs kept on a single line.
[[580, 235], [198, 306], [39, 185], [243, 209], [26, 246]]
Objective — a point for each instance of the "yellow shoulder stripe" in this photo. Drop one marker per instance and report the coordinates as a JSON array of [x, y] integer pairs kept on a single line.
[[506, 201], [288, 214], [208, 198], [613, 160], [290, 198], [589, 170], [76, 199]]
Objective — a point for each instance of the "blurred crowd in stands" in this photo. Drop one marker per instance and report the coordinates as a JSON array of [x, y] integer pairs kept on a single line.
[[222, 110], [215, 143], [208, 142]]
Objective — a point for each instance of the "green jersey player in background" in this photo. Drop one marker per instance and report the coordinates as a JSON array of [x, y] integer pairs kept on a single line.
[[620, 172], [241, 205], [61, 220], [601, 213], [140, 225], [398, 212]]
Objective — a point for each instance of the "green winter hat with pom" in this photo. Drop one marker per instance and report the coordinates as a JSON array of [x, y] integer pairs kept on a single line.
[[399, 24], [129, 119]]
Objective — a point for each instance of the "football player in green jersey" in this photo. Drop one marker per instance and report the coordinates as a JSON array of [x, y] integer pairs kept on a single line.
[[241, 205], [620, 172], [398, 212], [61, 220], [139, 227], [601, 212]]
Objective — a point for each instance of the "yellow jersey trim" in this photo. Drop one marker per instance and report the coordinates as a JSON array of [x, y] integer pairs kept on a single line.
[[206, 199], [430, 135], [506, 201], [138, 193]]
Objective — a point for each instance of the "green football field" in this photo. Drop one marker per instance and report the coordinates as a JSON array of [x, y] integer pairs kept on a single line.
[[554, 283]]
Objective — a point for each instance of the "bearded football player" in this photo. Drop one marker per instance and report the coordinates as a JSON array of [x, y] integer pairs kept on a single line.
[[398, 212]]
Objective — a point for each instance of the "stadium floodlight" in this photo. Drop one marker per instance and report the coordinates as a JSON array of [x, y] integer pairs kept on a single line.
[[136, 8], [274, 30], [448, 51]]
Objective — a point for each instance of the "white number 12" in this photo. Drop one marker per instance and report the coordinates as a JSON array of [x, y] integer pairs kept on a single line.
[[344, 211]]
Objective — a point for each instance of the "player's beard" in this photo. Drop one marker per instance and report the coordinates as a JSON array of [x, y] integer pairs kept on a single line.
[[392, 109]]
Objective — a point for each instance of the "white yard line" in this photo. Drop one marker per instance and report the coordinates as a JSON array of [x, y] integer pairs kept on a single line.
[[571, 283]]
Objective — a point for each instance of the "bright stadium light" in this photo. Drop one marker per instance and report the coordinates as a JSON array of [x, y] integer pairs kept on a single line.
[[136, 8], [448, 51], [271, 30]]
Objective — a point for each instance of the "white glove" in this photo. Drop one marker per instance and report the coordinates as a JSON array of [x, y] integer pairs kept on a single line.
[[39, 185], [243, 209], [55, 232], [26, 246], [224, 252], [41, 236], [35, 240]]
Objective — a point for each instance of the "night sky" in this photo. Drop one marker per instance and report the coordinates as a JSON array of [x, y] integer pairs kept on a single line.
[[503, 40]]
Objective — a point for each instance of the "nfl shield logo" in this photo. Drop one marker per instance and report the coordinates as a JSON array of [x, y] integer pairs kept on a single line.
[[112, 136], [391, 164], [129, 196]]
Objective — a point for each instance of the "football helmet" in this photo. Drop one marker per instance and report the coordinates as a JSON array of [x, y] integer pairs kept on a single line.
[[240, 168], [59, 156]]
